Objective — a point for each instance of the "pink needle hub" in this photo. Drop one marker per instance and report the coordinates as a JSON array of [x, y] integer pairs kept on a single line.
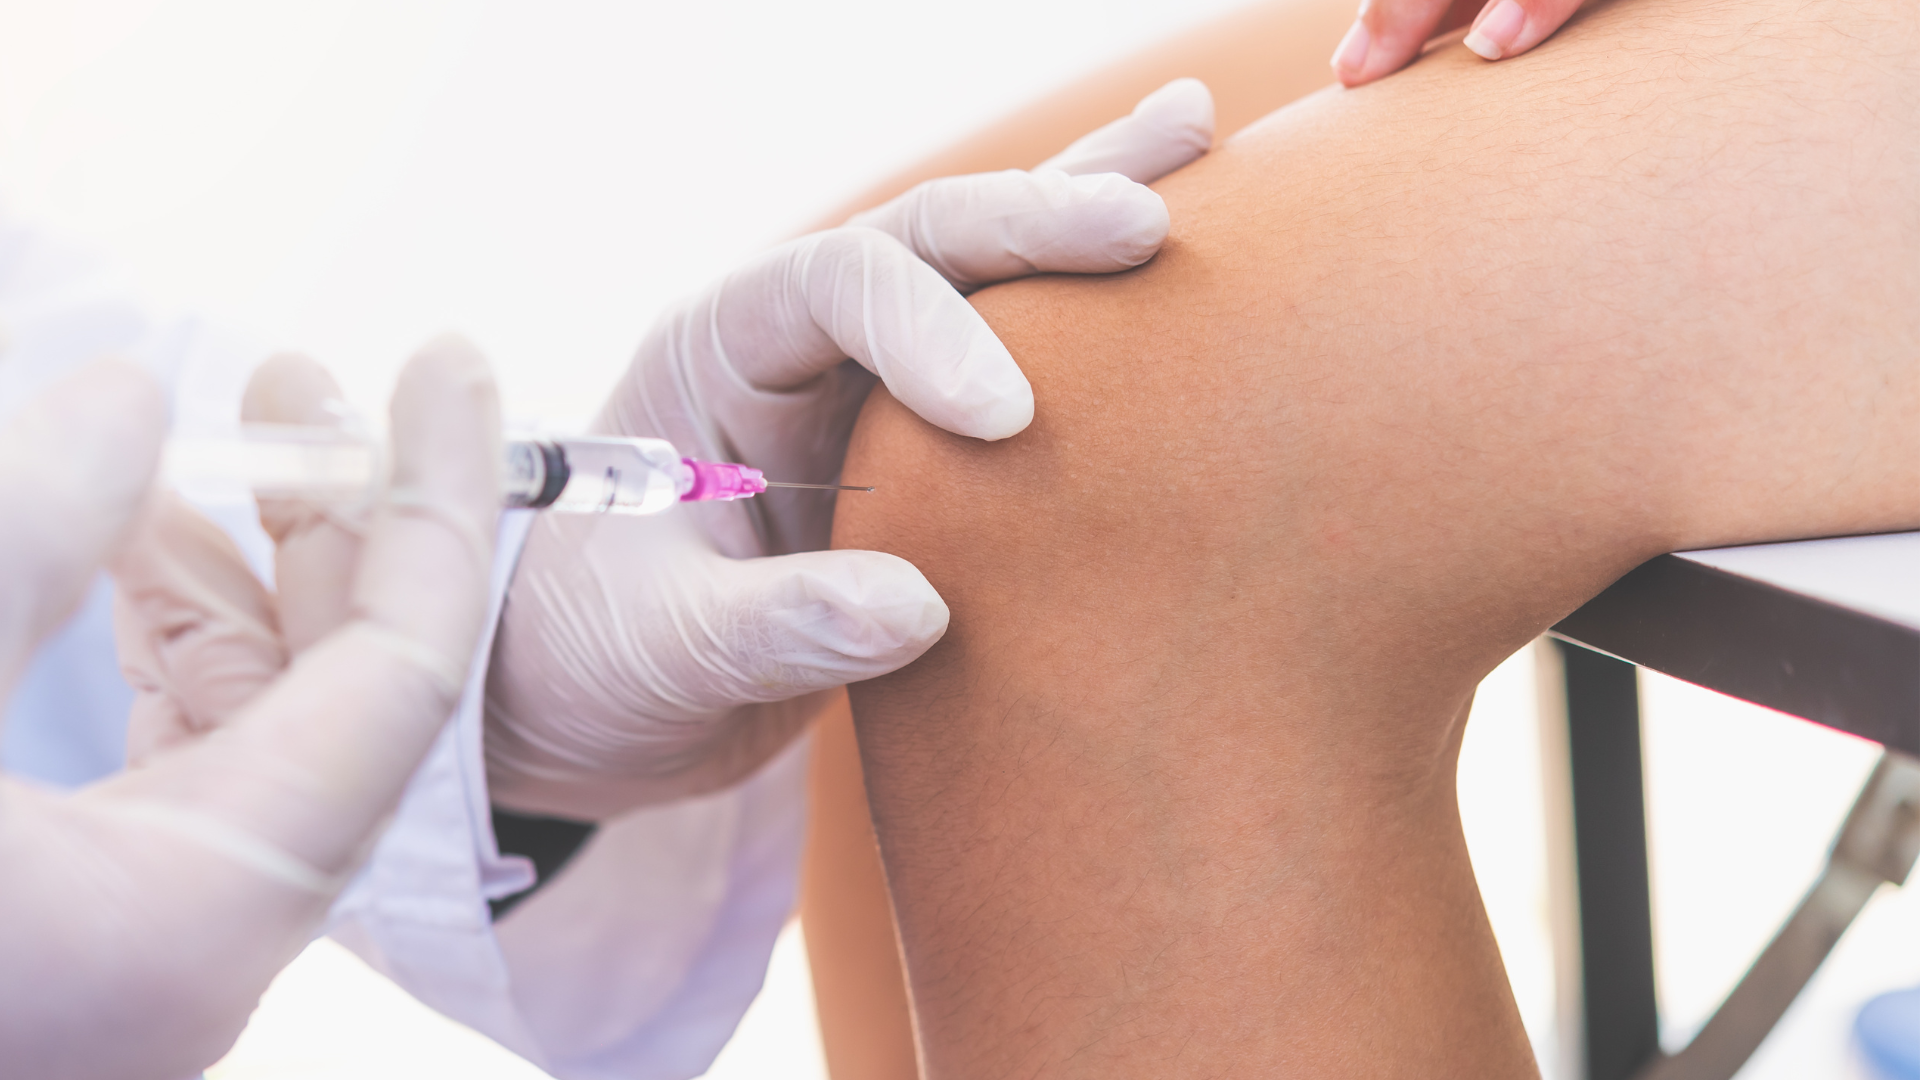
[[722, 480]]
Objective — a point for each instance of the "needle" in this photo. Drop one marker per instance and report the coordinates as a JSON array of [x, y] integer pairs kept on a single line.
[[818, 487]]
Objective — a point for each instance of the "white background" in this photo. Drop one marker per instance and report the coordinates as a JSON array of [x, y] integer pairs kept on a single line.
[[351, 176]]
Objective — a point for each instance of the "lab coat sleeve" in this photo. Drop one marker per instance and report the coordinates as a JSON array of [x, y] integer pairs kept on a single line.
[[62, 305], [636, 961]]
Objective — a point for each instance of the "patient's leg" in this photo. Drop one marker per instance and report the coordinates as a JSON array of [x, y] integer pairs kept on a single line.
[[1422, 368], [1254, 60]]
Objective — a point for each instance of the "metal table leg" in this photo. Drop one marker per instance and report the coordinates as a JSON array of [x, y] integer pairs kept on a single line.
[[1878, 843], [1621, 1016]]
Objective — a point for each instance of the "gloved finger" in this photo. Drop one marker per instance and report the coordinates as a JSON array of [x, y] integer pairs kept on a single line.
[[155, 724], [782, 320], [75, 467], [1508, 28], [318, 760], [793, 624], [426, 577], [1167, 129], [316, 544], [998, 226], [193, 626], [725, 633], [990, 227], [1387, 34]]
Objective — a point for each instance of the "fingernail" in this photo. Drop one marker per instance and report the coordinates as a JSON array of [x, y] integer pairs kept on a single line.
[[1351, 56], [1494, 32]]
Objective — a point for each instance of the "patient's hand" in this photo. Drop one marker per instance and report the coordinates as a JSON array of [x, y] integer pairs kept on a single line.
[[1389, 33], [1418, 371]]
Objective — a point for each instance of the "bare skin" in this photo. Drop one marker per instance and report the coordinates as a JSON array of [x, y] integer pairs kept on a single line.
[[1422, 368], [1254, 61], [859, 991]]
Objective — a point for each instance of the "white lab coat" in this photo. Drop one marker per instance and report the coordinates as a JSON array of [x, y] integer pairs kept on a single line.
[[636, 961]]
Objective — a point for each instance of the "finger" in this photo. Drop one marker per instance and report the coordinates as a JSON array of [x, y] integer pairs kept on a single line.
[[317, 761], [899, 319], [423, 572], [75, 467], [727, 632], [1389, 33], [155, 725], [193, 626], [778, 324], [1169, 128], [726, 671], [821, 619], [1507, 28], [316, 545], [998, 226]]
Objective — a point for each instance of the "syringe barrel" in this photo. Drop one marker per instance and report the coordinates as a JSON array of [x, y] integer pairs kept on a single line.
[[276, 461], [573, 474], [596, 475]]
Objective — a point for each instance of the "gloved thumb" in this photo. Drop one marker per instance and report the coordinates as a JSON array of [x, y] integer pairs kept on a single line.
[[75, 467], [717, 634], [315, 545], [711, 682], [821, 619], [312, 764]]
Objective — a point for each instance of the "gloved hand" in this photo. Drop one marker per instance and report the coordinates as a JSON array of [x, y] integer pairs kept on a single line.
[[142, 916], [198, 634], [646, 659], [1387, 34]]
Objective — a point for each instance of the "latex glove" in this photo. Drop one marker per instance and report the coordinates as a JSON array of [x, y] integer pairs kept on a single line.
[[647, 659], [198, 633], [1388, 34], [142, 916]]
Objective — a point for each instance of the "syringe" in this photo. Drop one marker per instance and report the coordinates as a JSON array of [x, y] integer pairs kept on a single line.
[[570, 474]]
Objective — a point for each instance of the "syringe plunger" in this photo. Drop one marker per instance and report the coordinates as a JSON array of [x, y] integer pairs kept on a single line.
[[574, 474]]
